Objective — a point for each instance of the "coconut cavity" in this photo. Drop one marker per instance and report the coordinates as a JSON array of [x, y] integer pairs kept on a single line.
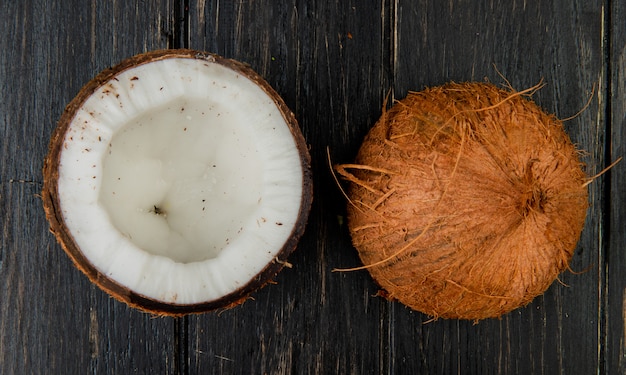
[[466, 201], [178, 181], [182, 180]]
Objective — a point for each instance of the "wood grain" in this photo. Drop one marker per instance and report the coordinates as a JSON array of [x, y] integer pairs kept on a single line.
[[305, 52], [614, 184], [52, 320], [519, 45], [334, 62]]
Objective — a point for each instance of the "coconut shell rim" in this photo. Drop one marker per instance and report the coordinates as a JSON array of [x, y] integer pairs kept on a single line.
[[51, 201]]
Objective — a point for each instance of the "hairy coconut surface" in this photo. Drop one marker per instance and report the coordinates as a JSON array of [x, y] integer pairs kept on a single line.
[[178, 181], [466, 200]]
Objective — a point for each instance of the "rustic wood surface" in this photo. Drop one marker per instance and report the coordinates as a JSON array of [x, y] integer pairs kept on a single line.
[[334, 62]]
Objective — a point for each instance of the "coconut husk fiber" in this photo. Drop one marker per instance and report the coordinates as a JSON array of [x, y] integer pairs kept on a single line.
[[466, 200]]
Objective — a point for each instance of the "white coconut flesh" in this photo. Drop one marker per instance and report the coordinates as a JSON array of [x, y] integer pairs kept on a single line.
[[180, 180]]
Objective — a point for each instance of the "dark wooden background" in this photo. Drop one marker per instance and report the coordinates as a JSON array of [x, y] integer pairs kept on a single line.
[[333, 62]]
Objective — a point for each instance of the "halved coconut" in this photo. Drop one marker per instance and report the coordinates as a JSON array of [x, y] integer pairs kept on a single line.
[[178, 181]]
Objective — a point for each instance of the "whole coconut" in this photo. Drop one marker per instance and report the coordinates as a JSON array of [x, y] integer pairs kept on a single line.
[[466, 200]]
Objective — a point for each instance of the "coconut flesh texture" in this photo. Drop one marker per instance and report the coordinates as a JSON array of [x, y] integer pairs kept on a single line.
[[466, 201], [178, 181]]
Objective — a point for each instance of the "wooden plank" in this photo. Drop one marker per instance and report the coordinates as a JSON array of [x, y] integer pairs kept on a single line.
[[329, 61], [615, 201], [526, 42], [52, 320]]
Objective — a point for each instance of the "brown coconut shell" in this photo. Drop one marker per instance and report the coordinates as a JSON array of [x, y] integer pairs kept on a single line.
[[53, 206], [466, 201]]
